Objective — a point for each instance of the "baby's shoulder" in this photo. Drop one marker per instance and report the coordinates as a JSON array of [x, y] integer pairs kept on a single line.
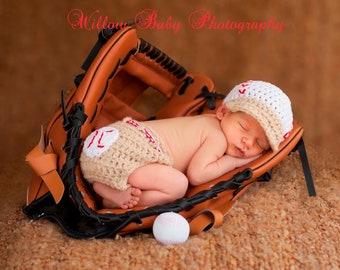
[[209, 125], [208, 121]]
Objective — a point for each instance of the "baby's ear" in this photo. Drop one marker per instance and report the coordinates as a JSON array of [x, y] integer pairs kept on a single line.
[[222, 111]]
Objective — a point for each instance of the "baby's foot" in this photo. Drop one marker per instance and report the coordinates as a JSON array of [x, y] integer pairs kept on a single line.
[[125, 199]]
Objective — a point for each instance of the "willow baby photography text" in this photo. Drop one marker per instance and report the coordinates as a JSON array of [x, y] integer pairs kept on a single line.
[[199, 19]]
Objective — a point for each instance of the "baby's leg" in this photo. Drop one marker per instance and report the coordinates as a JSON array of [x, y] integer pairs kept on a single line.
[[159, 184], [115, 198]]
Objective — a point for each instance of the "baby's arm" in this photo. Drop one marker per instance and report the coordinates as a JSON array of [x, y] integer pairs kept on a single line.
[[209, 162]]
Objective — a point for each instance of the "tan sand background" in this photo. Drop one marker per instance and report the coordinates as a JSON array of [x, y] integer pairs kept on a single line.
[[275, 225]]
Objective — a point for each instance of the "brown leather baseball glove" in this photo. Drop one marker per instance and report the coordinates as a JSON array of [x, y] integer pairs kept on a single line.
[[120, 69]]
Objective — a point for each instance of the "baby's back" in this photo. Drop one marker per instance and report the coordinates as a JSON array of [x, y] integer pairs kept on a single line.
[[182, 136]]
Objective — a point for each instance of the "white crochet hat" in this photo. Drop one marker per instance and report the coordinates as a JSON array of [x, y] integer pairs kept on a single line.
[[268, 104]]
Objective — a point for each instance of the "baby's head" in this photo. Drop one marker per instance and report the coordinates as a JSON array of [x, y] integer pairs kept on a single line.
[[268, 104]]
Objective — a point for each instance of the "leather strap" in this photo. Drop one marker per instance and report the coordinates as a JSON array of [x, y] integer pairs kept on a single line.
[[43, 162], [209, 218]]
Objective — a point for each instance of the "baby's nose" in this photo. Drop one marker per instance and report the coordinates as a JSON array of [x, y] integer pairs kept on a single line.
[[249, 142]]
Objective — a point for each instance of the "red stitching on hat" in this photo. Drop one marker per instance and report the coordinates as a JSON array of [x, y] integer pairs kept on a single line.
[[242, 91], [286, 135]]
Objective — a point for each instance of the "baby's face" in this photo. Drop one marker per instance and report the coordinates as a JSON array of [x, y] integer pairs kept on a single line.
[[245, 136]]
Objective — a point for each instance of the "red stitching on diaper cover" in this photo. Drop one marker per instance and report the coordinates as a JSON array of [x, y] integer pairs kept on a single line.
[[146, 132], [132, 122], [99, 140]]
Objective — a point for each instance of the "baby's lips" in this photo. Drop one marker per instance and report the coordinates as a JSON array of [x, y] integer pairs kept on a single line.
[[240, 152]]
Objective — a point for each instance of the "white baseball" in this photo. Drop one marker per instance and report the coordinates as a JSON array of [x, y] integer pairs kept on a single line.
[[171, 228]]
